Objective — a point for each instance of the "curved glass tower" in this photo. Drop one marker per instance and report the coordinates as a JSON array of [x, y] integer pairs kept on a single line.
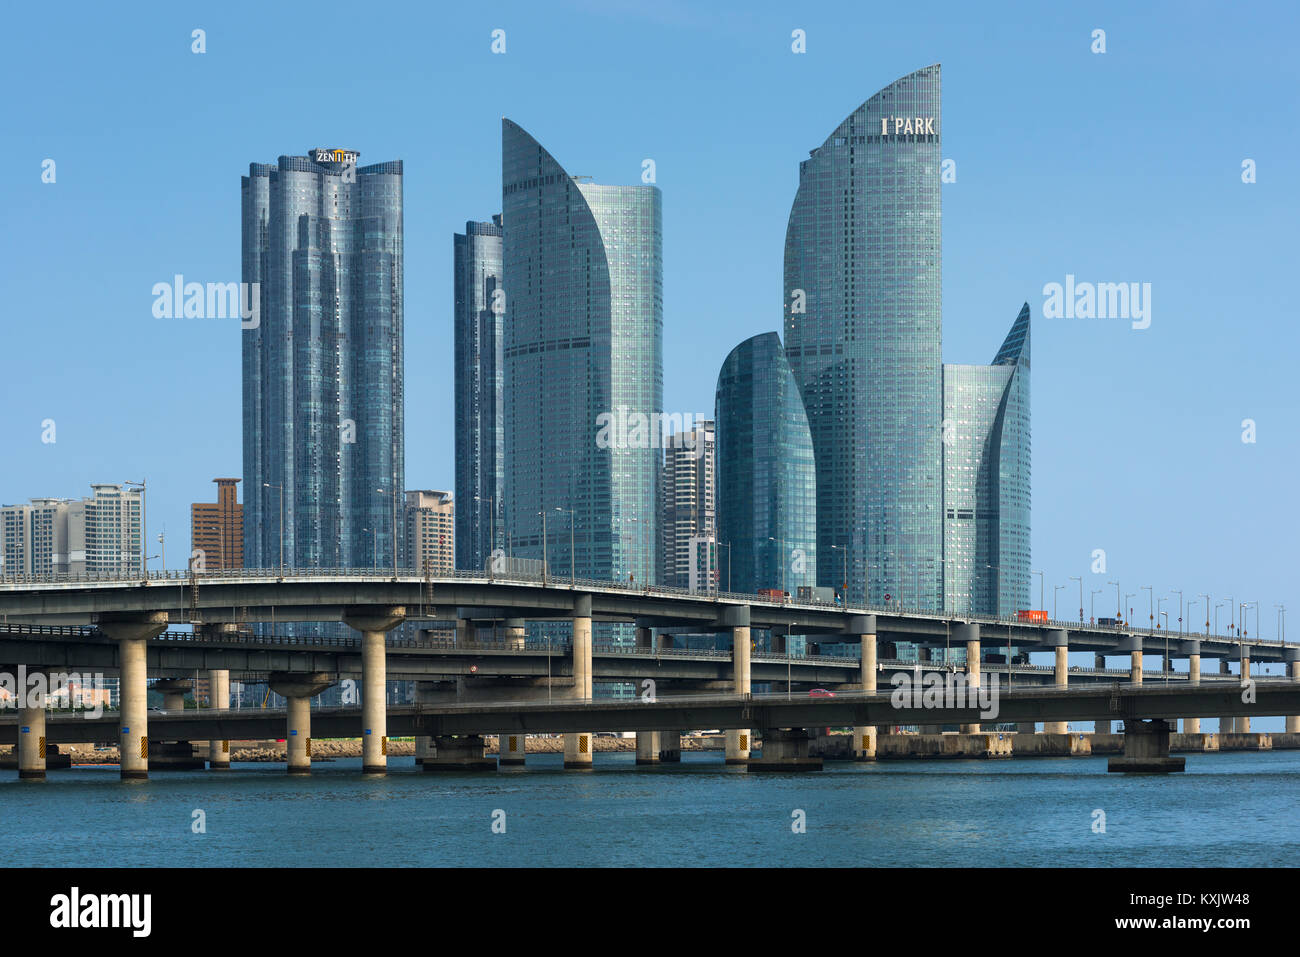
[[863, 334], [583, 280], [986, 480], [767, 481], [322, 369]]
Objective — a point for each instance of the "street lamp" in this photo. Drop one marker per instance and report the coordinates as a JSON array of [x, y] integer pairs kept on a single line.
[[1164, 666], [1079, 579], [844, 584], [1119, 607], [1175, 591], [1151, 625], [727, 546], [281, 488], [144, 559], [1092, 605], [1041, 587], [374, 548], [781, 541], [1055, 590], [572, 518], [1207, 615]]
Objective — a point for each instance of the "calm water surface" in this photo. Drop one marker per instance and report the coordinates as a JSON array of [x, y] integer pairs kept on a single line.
[[1227, 809]]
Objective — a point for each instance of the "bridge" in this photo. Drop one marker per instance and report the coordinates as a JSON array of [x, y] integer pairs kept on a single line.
[[61, 622]]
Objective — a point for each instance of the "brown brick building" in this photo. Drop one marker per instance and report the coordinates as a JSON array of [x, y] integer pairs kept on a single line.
[[217, 528]]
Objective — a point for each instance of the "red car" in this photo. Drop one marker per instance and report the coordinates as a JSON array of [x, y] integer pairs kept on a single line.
[[821, 693]]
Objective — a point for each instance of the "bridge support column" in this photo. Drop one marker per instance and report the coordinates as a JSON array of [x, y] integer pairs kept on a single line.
[[738, 739], [516, 633], [464, 631], [1243, 721], [463, 752], [298, 690], [131, 633], [578, 746], [374, 623], [31, 734], [219, 699], [970, 633], [785, 749], [1027, 727], [1060, 642], [169, 754], [1193, 651], [647, 747], [864, 736], [1099, 663], [670, 747], [1227, 723], [1293, 669], [1146, 749], [1135, 666], [512, 746]]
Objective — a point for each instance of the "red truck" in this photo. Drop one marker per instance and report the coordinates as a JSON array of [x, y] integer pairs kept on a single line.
[[775, 594], [1031, 614]]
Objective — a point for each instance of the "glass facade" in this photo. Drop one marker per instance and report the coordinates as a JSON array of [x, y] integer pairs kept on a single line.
[[863, 308], [986, 480], [322, 369], [767, 482], [583, 361], [480, 424]]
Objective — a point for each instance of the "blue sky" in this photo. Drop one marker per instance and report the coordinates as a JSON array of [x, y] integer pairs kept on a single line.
[[1122, 166]]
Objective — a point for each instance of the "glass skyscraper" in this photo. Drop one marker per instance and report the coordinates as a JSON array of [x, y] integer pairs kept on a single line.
[[986, 480], [767, 480], [863, 329], [322, 368], [583, 359], [480, 422]]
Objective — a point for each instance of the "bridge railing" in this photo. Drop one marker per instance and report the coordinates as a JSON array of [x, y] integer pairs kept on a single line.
[[414, 576]]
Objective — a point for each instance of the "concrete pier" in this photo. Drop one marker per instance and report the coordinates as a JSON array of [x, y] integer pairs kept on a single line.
[[1060, 642], [785, 749], [739, 740], [298, 690], [647, 747], [1243, 721], [577, 746], [515, 632], [864, 736], [1193, 651], [374, 623], [131, 632], [219, 698], [1135, 666], [31, 735], [458, 753], [1293, 669], [1146, 749], [512, 747], [670, 747], [970, 634]]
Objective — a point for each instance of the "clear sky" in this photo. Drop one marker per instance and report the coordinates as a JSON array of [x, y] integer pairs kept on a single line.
[[1123, 166]]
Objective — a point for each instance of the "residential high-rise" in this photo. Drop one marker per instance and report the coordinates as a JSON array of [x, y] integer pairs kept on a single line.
[[766, 476], [430, 531], [479, 320], [322, 363], [689, 511], [863, 307], [986, 487], [99, 535], [583, 355], [217, 528]]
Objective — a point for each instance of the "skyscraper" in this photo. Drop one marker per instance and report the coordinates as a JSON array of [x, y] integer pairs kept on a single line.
[[863, 328], [689, 514], [986, 473], [217, 528], [583, 360], [767, 481], [322, 365], [480, 424]]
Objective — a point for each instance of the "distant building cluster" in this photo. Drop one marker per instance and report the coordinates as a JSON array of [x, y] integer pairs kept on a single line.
[[97, 535]]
